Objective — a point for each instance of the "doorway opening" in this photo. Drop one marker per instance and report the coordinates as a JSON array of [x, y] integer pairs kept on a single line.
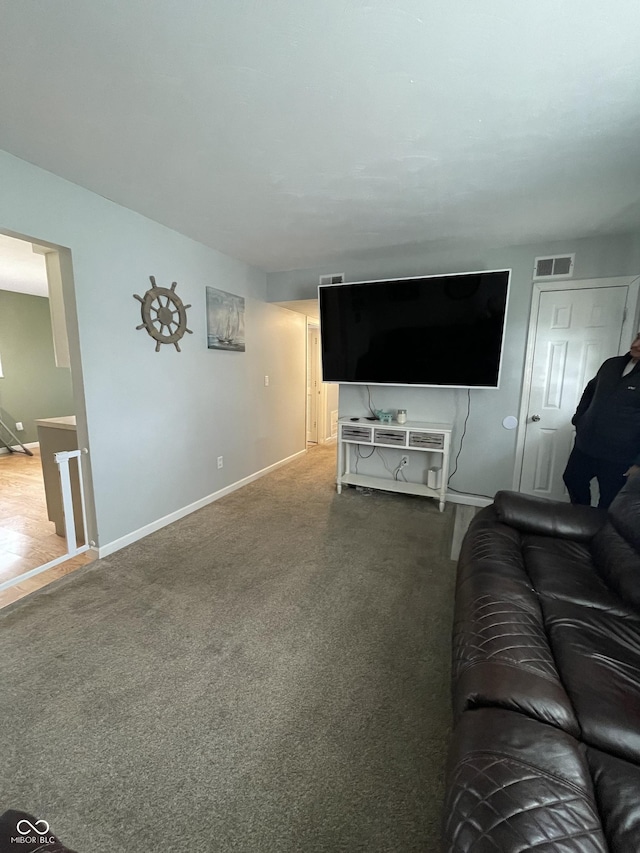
[[322, 398], [314, 383], [42, 412]]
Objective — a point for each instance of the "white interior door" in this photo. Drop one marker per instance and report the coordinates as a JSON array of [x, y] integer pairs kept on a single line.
[[576, 330], [313, 382]]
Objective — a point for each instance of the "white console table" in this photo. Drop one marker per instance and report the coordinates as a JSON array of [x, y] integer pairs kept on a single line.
[[412, 436]]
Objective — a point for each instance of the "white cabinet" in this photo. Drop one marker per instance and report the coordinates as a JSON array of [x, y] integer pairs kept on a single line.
[[403, 440]]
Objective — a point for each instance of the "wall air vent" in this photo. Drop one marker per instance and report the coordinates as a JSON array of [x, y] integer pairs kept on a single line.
[[332, 278], [556, 266]]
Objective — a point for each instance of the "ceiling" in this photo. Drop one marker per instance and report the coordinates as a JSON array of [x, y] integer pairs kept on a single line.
[[284, 132]]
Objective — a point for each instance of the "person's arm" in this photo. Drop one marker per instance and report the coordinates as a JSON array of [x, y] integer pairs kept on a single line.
[[585, 401]]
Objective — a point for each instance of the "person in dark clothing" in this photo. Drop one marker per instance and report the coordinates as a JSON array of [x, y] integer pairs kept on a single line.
[[607, 423]]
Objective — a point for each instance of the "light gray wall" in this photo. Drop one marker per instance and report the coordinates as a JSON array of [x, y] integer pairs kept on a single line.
[[332, 390], [487, 460], [157, 421]]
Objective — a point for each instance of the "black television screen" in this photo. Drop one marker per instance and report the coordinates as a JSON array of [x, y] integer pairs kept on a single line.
[[443, 330]]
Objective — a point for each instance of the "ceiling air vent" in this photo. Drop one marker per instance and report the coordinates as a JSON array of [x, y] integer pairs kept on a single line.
[[332, 278], [557, 266]]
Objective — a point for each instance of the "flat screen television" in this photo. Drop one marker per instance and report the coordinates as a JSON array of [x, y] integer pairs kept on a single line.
[[432, 331]]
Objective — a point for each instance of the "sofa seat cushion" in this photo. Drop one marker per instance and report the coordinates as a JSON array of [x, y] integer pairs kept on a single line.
[[563, 569], [501, 653], [515, 785], [598, 657], [617, 789]]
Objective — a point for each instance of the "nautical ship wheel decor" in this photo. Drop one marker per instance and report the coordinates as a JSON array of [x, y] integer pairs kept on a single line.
[[164, 315]]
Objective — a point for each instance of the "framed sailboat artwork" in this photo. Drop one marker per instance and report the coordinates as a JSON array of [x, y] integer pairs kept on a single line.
[[225, 320]]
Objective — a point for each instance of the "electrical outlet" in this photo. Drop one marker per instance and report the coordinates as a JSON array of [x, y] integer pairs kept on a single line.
[[19, 426], [220, 462], [266, 380], [404, 461]]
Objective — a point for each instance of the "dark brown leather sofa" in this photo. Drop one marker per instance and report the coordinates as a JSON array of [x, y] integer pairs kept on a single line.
[[545, 754]]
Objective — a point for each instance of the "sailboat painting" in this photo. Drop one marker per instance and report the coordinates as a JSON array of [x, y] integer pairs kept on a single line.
[[225, 320]]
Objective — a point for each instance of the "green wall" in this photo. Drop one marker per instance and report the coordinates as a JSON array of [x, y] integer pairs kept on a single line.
[[33, 387]]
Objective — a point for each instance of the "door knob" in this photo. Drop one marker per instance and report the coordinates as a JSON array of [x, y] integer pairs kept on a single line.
[[535, 418]]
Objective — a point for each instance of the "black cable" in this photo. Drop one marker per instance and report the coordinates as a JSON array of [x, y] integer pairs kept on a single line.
[[375, 417], [360, 456], [464, 432], [450, 488], [384, 461], [399, 472], [472, 494]]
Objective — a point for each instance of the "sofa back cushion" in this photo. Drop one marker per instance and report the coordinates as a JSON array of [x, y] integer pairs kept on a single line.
[[624, 512], [618, 564], [616, 547]]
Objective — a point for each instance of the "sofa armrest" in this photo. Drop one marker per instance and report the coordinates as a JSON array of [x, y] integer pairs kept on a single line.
[[544, 517], [515, 784]]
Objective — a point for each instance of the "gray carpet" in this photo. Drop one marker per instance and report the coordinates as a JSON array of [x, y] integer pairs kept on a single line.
[[271, 673]]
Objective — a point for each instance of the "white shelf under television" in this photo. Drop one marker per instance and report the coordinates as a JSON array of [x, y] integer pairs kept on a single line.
[[410, 437]]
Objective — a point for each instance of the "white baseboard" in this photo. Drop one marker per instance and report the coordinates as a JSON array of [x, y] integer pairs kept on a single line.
[[16, 447], [39, 569], [470, 500], [141, 532]]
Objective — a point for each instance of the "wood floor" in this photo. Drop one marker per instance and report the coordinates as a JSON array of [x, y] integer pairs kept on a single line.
[[27, 537]]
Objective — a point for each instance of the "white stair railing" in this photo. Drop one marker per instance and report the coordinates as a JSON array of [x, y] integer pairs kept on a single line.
[[62, 458]]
